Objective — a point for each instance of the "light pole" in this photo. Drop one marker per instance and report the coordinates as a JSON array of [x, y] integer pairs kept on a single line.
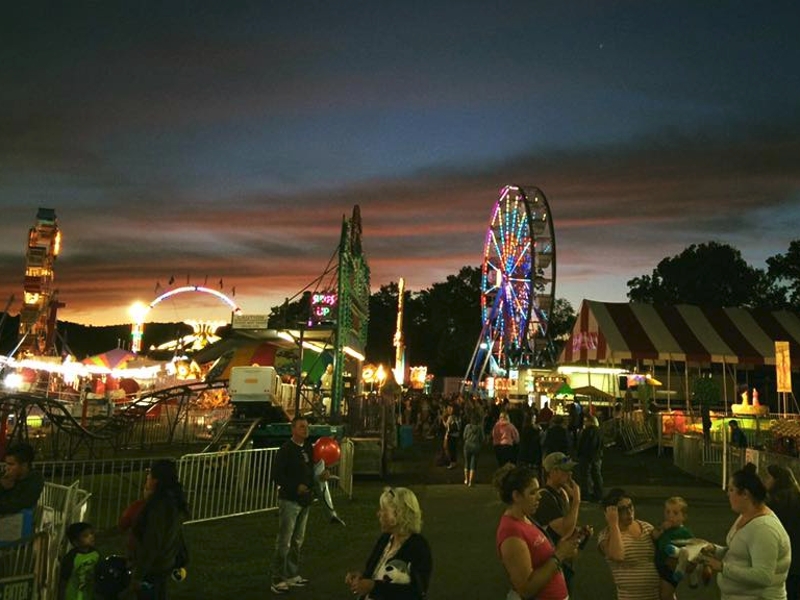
[[137, 311], [299, 377]]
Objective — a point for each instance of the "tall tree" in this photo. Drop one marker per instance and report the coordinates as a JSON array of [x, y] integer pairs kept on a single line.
[[784, 269], [442, 323], [562, 319], [711, 274], [448, 322]]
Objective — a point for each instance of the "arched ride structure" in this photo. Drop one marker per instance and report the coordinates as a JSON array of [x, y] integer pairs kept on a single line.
[[137, 329], [150, 420]]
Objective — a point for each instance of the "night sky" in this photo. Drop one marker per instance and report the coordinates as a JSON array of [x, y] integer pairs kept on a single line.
[[227, 140]]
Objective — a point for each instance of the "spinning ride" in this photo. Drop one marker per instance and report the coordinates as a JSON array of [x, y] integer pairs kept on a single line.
[[517, 285]]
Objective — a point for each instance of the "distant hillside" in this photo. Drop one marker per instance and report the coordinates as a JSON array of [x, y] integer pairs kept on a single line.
[[87, 340]]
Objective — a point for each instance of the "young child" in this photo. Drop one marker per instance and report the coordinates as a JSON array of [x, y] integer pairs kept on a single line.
[[669, 568], [78, 565]]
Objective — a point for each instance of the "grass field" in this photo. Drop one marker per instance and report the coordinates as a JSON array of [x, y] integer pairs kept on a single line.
[[230, 558]]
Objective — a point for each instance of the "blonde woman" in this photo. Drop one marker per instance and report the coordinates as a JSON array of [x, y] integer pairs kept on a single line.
[[400, 564]]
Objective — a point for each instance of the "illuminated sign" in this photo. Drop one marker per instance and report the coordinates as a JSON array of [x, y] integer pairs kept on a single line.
[[323, 307]]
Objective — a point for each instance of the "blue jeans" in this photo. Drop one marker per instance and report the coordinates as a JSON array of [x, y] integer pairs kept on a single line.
[[591, 480], [292, 520]]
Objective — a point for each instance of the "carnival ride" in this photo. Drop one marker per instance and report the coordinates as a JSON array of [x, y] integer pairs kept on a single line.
[[203, 331], [518, 280], [68, 435], [70, 422], [37, 318]]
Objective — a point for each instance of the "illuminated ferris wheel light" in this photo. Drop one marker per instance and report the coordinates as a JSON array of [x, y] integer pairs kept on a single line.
[[517, 284]]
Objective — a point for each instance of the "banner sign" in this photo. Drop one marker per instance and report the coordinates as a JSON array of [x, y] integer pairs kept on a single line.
[[783, 367], [241, 321]]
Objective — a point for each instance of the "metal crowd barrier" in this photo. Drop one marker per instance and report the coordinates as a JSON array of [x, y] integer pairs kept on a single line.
[[704, 460], [112, 484], [29, 567], [218, 484], [227, 484], [23, 569]]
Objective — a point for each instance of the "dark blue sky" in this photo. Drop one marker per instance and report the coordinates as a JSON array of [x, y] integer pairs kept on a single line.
[[228, 139]]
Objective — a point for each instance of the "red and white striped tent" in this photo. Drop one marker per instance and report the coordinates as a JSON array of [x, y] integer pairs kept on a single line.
[[609, 333]]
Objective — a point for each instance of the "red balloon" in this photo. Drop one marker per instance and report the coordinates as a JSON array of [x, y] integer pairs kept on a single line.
[[327, 449]]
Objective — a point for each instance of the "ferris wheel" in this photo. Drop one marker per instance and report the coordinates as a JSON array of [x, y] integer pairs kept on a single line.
[[518, 280]]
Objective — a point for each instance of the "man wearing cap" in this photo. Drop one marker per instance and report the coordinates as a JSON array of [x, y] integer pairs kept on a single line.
[[559, 501]]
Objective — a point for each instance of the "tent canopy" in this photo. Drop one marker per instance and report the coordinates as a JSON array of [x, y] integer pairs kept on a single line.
[[113, 359], [564, 390], [592, 392], [608, 332]]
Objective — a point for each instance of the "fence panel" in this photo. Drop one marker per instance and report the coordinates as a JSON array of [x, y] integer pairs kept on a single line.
[[218, 484], [112, 484], [29, 567], [226, 484], [703, 459], [23, 572]]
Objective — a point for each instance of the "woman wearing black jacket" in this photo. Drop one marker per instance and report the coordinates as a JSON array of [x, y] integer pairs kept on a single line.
[[400, 564], [157, 531]]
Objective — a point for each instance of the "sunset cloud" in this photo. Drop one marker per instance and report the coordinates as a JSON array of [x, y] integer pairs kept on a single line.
[[231, 142]]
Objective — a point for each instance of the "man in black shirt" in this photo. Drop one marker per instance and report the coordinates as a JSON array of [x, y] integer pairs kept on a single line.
[[559, 501], [295, 475]]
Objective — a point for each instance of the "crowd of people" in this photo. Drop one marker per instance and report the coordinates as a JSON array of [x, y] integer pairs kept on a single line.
[[549, 463], [545, 473], [519, 434]]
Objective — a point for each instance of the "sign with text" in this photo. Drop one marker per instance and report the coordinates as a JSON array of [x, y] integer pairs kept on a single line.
[[17, 588], [250, 321], [323, 307]]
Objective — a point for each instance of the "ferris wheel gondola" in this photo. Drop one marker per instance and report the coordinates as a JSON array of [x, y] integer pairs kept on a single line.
[[517, 285]]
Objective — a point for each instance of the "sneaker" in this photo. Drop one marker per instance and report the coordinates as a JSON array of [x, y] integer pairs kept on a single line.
[[451, 466], [297, 581], [279, 587]]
